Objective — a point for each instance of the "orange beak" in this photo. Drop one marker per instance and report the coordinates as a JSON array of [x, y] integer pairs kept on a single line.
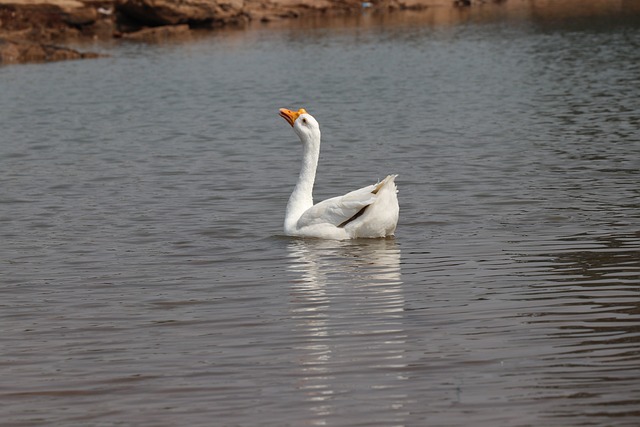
[[291, 116]]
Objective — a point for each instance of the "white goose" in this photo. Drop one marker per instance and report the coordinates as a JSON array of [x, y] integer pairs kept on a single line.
[[369, 212]]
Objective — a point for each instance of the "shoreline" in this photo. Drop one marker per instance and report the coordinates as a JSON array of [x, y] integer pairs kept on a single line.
[[39, 30]]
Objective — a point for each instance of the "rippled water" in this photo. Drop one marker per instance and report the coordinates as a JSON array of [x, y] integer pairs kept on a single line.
[[145, 279]]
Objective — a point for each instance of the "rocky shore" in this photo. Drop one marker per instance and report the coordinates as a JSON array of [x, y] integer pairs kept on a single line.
[[37, 30]]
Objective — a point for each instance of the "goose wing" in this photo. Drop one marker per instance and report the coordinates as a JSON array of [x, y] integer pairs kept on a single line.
[[339, 210]]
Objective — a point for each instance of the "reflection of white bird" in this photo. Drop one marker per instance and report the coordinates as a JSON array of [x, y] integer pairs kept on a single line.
[[371, 211]]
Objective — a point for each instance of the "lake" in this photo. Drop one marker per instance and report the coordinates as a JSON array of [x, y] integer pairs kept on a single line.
[[146, 279]]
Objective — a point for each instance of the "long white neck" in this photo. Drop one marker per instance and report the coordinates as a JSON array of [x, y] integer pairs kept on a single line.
[[302, 197]]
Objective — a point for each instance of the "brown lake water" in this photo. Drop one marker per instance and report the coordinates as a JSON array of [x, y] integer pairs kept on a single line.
[[145, 279]]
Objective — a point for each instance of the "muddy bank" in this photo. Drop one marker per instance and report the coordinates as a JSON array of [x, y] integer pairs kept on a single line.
[[33, 30], [18, 52]]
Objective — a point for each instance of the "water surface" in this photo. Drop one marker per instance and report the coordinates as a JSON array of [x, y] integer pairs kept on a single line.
[[145, 279]]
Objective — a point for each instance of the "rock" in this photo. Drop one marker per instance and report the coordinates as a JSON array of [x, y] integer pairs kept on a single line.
[[419, 4], [80, 17], [171, 12], [158, 34], [52, 20], [271, 10], [16, 52]]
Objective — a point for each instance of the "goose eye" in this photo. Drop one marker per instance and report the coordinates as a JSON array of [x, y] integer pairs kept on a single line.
[[304, 121]]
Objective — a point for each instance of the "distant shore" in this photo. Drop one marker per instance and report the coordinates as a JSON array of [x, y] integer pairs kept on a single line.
[[38, 30]]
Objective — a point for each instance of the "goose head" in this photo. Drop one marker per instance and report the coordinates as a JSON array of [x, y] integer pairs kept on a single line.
[[303, 123]]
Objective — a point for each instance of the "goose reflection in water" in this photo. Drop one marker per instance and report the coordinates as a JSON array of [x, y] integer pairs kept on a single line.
[[347, 305]]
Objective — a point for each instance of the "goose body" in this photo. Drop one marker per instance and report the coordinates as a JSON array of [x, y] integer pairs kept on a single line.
[[368, 212]]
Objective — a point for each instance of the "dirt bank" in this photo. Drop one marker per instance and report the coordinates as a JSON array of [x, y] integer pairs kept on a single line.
[[33, 30]]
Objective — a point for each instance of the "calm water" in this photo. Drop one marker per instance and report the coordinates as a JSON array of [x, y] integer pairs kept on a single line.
[[145, 279]]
